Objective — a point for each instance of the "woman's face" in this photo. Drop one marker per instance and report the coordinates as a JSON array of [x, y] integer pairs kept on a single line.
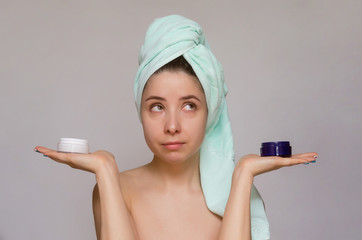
[[174, 115]]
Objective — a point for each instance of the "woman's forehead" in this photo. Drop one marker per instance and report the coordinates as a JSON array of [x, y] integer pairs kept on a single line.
[[176, 82]]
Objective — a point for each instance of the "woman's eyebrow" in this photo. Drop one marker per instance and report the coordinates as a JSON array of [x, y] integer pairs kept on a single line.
[[190, 97], [155, 98], [187, 97]]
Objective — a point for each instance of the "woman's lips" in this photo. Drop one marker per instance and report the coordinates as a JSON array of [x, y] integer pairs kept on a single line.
[[173, 145]]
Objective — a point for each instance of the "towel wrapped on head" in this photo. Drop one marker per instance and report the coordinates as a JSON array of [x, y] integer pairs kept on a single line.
[[174, 36]]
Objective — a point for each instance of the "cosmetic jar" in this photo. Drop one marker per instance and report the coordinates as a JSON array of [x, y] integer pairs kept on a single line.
[[281, 149], [73, 145]]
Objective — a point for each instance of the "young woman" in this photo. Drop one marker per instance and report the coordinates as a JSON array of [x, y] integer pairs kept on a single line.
[[191, 188]]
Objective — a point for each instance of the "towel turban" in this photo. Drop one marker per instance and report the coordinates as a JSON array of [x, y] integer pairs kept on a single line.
[[174, 36]]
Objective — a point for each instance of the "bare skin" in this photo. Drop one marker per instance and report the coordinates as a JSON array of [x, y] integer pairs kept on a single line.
[[164, 199]]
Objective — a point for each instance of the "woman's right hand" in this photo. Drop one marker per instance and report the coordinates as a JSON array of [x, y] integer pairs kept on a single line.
[[91, 162]]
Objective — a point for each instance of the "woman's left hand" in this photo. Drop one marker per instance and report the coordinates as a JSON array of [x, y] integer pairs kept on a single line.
[[255, 165]]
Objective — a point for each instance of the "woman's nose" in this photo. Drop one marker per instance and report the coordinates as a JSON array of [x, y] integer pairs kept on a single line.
[[172, 125]]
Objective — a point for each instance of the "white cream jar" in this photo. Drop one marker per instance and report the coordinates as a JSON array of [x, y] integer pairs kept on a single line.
[[73, 145]]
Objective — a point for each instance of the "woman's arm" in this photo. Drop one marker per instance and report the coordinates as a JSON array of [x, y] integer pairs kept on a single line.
[[113, 221], [236, 222], [116, 222], [96, 203]]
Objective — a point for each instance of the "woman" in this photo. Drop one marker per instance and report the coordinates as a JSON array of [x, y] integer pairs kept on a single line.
[[190, 189]]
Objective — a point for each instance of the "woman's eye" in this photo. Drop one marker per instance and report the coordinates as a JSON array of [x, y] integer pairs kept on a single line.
[[156, 108], [189, 107]]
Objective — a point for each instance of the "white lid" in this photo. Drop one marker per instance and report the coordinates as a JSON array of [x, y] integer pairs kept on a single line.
[[73, 140]]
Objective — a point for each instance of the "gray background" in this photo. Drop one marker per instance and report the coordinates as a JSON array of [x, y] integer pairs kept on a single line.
[[293, 69]]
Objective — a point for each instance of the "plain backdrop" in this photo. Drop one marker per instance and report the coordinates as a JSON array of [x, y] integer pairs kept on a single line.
[[293, 69]]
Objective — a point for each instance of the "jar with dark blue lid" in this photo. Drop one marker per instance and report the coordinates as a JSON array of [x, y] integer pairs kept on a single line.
[[281, 149]]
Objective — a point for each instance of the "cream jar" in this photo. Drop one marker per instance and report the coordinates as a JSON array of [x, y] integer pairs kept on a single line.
[[73, 145]]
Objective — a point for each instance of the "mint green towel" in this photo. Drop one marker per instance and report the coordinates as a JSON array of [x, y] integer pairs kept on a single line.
[[166, 39]]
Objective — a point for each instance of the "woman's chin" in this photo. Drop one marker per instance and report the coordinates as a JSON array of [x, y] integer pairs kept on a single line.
[[174, 159]]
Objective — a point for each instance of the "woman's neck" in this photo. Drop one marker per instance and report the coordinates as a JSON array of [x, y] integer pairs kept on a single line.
[[182, 176]]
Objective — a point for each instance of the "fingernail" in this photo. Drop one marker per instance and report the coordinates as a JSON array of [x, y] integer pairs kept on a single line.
[[36, 150], [313, 161], [315, 156], [45, 155], [306, 163]]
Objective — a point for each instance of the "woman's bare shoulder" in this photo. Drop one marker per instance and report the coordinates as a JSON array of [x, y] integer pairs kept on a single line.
[[134, 180], [134, 176]]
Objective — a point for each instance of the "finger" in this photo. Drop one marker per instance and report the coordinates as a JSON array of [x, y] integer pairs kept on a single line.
[[306, 155], [305, 158], [56, 156], [310, 155], [43, 150]]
